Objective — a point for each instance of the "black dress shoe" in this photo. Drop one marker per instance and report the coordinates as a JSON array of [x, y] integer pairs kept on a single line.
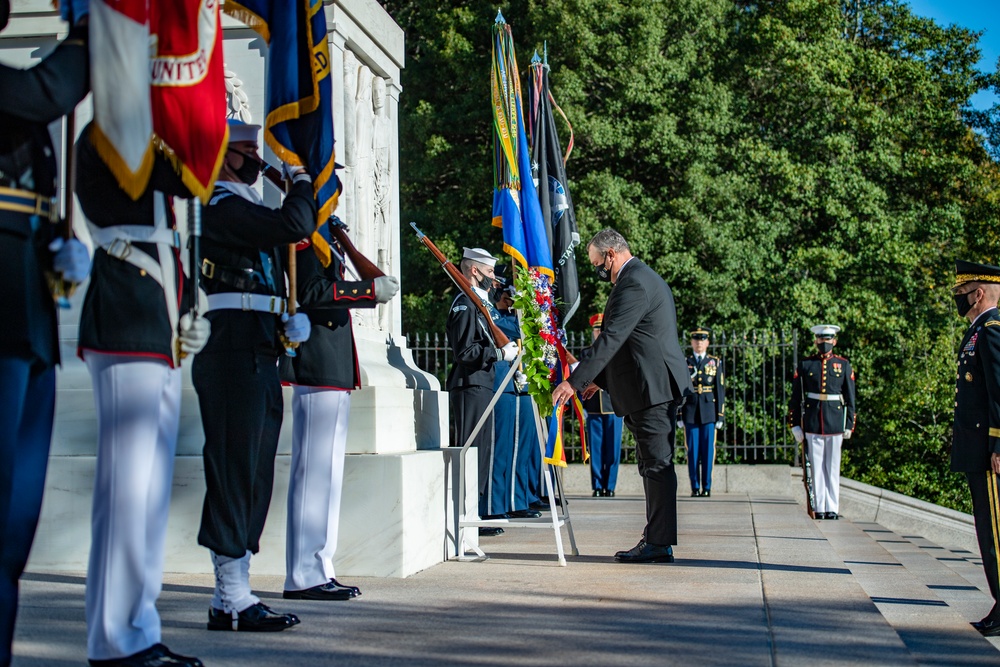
[[596, 494], [490, 531], [325, 591], [609, 493], [524, 514], [695, 493], [539, 505], [990, 627], [707, 493], [156, 655], [646, 553], [355, 591], [256, 618], [832, 516], [819, 515]]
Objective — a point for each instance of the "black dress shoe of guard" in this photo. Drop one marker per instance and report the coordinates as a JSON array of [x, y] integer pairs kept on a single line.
[[609, 494], [325, 591], [707, 493], [490, 531], [990, 627], [832, 516], [355, 591], [695, 493], [597, 493], [644, 552], [539, 505], [819, 516], [256, 618], [524, 514], [156, 655]]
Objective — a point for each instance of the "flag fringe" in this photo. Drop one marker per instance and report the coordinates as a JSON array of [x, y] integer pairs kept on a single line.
[[251, 19], [132, 182]]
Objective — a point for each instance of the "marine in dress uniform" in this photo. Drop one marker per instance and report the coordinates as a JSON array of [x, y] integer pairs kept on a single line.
[[703, 412], [822, 413], [236, 375], [29, 349], [975, 448], [322, 374], [470, 382], [131, 333], [604, 433]]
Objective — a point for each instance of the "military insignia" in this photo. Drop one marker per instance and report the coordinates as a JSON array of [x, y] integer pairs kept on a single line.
[[970, 347], [838, 367], [458, 309], [968, 377], [993, 323]]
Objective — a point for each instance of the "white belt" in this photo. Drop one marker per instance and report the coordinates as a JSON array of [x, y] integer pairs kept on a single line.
[[261, 303], [825, 397], [123, 235]]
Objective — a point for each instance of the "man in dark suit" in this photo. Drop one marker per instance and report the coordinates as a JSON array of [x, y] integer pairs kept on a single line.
[[638, 359], [975, 448]]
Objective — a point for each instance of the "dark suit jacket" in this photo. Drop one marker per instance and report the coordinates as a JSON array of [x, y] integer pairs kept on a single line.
[[977, 397], [637, 357]]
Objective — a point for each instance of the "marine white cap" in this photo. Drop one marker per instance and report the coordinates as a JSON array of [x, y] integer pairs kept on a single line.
[[240, 131], [479, 255], [825, 329]]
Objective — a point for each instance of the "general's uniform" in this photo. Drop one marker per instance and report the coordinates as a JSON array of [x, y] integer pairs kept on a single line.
[[29, 350], [604, 439], [470, 384], [322, 374], [236, 375], [701, 412], [128, 339], [822, 406]]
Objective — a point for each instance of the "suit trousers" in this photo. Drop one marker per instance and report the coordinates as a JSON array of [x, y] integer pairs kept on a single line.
[[320, 418], [527, 456], [701, 454], [239, 393], [604, 439], [138, 412], [985, 492], [27, 406], [824, 457], [653, 429], [467, 406]]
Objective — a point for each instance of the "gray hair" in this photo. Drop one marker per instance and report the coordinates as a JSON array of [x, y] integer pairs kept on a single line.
[[608, 239]]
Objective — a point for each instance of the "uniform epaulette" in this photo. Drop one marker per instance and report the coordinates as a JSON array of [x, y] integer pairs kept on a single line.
[[993, 323]]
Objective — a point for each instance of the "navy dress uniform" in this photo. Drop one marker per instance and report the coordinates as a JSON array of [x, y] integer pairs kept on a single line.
[[130, 338], [975, 448], [322, 374], [703, 413], [29, 351], [604, 433], [822, 413], [236, 375]]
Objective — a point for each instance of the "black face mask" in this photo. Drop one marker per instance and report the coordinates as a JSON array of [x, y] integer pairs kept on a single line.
[[824, 348], [962, 303], [603, 273], [250, 170]]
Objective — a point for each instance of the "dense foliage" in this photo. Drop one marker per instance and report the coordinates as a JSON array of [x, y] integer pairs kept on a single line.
[[779, 162]]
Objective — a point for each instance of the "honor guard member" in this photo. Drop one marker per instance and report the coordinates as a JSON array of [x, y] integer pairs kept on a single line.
[[975, 448], [604, 432], [470, 382], [29, 347], [236, 376], [822, 413], [515, 436], [703, 412], [322, 374], [131, 343]]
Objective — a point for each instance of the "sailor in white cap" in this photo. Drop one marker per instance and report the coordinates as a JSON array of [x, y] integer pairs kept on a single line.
[[822, 414], [470, 383]]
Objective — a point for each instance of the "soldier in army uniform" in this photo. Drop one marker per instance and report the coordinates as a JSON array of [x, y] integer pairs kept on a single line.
[[975, 448], [604, 433], [703, 412], [822, 414]]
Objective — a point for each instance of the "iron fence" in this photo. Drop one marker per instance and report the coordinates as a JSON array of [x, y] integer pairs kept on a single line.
[[758, 367]]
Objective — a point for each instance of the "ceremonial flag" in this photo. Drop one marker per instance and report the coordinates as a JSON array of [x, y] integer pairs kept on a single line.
[[555, 453], [553, 191], [158, 84], [515, 200], [298, 125]]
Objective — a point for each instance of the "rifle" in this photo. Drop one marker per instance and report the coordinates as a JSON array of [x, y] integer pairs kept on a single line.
[[462, 283], [367, 270], [807, 478], [194, 258], [61, 288]]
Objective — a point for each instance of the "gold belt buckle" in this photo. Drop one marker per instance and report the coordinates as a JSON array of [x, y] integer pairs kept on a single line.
[[207, 268]]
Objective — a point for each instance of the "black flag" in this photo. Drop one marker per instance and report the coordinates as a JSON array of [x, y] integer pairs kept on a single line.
[[549, 172]]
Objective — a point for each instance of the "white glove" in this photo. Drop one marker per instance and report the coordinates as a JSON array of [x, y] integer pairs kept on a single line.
[[297, 327], [847, 434], [295, 173], [718, 426], [194, 333], [71, 259], [797, 434], [386, 288], [508, 352]]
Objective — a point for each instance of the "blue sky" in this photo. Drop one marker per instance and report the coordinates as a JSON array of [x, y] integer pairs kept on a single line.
[[979, 15]]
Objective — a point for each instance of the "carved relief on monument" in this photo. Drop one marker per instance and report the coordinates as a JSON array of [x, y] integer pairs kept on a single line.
[[238, 106]]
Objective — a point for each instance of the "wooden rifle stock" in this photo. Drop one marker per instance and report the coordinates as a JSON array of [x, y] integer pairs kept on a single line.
[[367, 270], [462, 283]]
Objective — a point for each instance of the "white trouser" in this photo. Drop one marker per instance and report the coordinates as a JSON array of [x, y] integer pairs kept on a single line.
[[319, 443], [824, 457], [138, 408]]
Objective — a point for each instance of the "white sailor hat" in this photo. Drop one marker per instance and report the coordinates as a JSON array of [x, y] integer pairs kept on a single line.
[[479, 255], [821, 330], [240, 131]]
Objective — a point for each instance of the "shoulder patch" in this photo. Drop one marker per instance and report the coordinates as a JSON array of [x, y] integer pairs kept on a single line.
[[458, 309], [993, 323]]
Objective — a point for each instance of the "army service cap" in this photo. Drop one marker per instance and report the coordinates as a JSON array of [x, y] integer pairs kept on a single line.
[[479, 255], [969, 272], [597, 321], [701, 333], [825, 330]]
